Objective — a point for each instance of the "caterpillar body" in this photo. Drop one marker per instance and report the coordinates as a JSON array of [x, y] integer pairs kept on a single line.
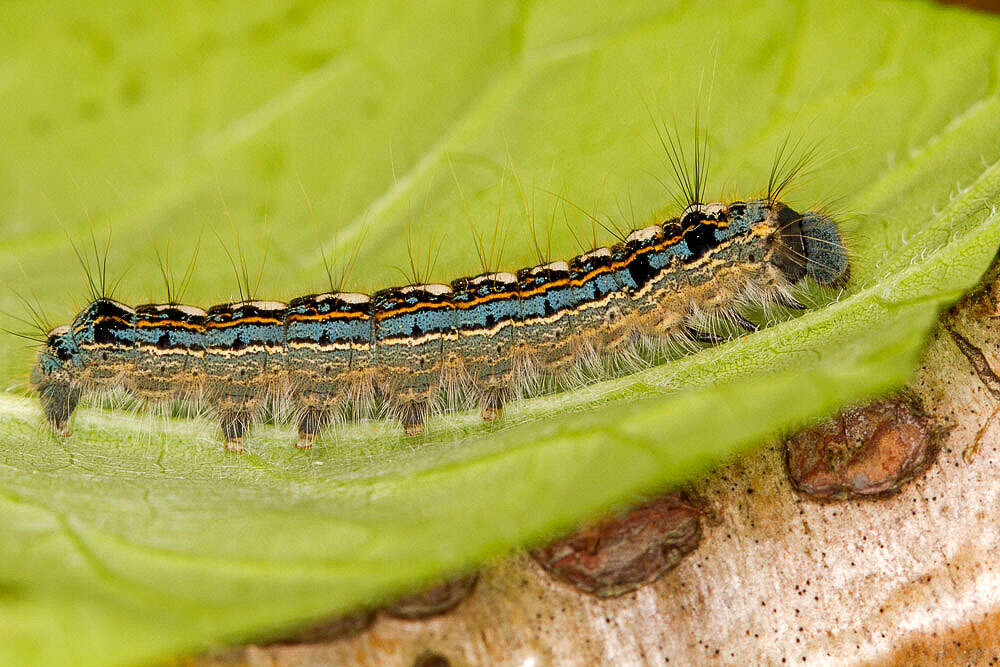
[[494, 334]]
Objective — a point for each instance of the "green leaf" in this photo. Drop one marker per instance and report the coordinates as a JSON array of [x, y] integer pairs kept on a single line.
[[139, 537]]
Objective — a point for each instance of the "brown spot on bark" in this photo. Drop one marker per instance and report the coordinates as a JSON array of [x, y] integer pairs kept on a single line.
[[431, 659], [619, 554], [973, 643], [864, 451], [433, 600]]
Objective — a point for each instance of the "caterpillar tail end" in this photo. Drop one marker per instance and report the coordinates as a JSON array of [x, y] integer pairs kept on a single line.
[[58, 402], [52, 378]]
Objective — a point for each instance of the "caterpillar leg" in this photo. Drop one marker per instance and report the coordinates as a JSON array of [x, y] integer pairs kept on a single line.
[[412, 415], [491, 403], [744, 323], [58, 402], [313, 420], [788, 301], [703, 336], [235, 423]]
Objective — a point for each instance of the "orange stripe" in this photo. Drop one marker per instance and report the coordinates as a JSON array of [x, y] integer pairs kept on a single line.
[[150, 324], [332, 315], [422, 306], [103, 319], [242, 320], [547, 286]]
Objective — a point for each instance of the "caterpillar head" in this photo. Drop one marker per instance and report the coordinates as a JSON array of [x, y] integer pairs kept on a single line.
[[809, 244], [51, 377]]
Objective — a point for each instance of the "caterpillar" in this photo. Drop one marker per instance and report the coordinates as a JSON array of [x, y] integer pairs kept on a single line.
[[494, 334]]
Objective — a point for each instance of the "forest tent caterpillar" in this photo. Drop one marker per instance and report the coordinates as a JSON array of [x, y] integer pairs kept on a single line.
[[492, 333]]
